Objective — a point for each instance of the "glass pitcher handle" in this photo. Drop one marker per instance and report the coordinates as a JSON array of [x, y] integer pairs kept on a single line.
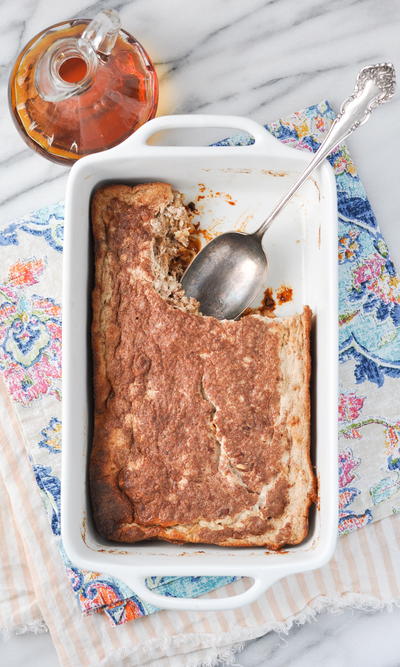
[[102, 32]]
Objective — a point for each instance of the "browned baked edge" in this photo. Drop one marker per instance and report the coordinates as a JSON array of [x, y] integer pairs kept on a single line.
[[122, 230]]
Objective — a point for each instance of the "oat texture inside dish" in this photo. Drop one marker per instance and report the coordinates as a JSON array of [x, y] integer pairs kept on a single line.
[[202, 427]]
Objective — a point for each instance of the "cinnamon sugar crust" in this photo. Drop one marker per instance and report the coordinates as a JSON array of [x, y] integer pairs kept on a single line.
[[201, 426]]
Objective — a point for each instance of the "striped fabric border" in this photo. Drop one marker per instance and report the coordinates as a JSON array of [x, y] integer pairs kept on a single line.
[[19, 610], [362, 573]]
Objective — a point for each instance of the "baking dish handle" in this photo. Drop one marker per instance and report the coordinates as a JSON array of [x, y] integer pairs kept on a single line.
[[138, 140], [138, 585]]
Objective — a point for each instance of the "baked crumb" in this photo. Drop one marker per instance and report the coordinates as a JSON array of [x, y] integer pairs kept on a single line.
[[201, 426]]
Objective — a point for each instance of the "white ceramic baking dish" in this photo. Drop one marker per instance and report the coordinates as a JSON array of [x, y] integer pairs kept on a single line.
[[302, 251]]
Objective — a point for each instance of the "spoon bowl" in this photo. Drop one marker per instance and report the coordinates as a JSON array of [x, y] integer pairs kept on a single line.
[[227, 275]]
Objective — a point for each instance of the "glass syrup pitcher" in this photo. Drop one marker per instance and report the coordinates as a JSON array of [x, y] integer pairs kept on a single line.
[[80, 87]]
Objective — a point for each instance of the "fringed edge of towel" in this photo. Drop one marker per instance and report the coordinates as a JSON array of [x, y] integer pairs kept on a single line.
[[226, 655], [207, 654], [36, 627]]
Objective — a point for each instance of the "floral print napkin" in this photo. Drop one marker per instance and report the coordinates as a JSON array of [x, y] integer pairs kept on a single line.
[[369, 355]]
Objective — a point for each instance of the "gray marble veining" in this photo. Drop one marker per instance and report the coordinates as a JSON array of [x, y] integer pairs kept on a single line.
[[352, 637]]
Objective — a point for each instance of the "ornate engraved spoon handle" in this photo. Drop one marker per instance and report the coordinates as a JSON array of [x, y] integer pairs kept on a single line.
[[375, 85]]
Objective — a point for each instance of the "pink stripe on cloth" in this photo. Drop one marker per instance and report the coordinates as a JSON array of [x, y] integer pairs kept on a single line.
[[388, 539], [19, 610], [367, 550]]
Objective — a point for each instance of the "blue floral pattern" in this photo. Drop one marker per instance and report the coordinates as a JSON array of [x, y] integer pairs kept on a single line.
[[51, 436], [51, 487], [47, 222]]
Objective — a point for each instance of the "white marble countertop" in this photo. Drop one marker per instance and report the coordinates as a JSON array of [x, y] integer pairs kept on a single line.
[[360, 639], [263, 59]]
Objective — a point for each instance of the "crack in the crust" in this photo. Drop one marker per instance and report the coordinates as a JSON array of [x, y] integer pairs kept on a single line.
[[213, 427], [221, 451], [102, 321]]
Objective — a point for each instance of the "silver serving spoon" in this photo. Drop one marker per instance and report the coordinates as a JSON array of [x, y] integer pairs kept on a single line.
[[229, 272]]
